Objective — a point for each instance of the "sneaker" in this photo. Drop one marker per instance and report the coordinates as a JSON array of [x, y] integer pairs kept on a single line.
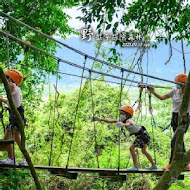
[[166, 167], [8, 161], [23, 162], [152, 168], [187, 167], [133, 168]]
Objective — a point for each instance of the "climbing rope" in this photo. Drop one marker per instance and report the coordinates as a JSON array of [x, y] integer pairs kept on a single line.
[[1, 116], [120, 99], [9, 66], [93, 114], [78, 66], [76, 111], [152, 123], [183, 54], [75, 50], [55, 105]]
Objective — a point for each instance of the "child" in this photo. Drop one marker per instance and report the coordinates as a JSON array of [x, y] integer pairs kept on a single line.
[[142, 136], [177, 96], [14, 78]]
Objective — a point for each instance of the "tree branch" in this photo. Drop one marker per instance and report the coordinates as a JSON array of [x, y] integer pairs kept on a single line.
[[180, 159], [21, 129]]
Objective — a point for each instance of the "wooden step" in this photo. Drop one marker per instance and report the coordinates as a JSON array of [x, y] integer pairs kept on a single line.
[[6, 142]]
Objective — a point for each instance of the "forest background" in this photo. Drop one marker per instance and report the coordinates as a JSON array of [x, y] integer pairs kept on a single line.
[[51, 116]]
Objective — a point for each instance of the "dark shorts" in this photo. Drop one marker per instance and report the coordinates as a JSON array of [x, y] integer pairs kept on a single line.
[[13, 123], [174, 122], [142, 138]]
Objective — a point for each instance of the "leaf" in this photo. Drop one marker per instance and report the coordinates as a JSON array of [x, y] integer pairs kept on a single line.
[[116, 25], [110, 17], [118, 2], [108, 26]]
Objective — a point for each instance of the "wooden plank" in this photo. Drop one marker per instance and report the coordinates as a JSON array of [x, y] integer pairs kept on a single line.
[[113, 176], [62, 170], [6, 142], [69, 175]]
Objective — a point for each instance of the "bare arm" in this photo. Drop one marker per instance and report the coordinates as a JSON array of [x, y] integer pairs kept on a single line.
[[121, 124], [4, 100], [127, 124], [161, 97], [108, 120]]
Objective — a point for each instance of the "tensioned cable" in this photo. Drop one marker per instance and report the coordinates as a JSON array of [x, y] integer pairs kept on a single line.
[[69, 74], [180, 51], [74, 75], [70, 63], [81, 53]]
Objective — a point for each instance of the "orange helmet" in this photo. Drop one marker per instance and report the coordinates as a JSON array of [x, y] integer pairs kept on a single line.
[[127, 109], [181, 78], [15, 75]]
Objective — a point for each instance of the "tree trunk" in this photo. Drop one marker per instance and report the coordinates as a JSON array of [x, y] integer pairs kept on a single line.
[[180, 159], [21, 129]]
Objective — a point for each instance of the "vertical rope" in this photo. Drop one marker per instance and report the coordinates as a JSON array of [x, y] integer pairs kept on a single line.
[[8, 64], [1, 116], [120, 97], [7, 43], [93, 114], [76, 111], [50, 110], [183, 54], [152, 122], [51, 149], [146, 83]]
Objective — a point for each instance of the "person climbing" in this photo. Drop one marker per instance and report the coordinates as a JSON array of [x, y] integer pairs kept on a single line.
[[14, 78], [176, 95], [142, 137]]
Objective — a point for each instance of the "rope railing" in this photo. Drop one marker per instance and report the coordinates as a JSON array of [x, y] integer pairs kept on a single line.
[[81, 53], [73, 64]]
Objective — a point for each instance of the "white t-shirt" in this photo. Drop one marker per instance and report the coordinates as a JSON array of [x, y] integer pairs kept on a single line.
[[16, 96], [177, 100], [133, 128]]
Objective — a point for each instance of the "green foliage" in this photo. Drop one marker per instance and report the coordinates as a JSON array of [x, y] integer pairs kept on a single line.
[[45, 16], [84, 151], [56, 123], [84, 148], [12, 179], [148, 17]]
